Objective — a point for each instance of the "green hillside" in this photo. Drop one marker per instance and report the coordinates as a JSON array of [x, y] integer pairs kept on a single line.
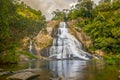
[[17, 21]]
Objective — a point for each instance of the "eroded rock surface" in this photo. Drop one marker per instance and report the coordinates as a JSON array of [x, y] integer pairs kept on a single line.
[[23, 76]]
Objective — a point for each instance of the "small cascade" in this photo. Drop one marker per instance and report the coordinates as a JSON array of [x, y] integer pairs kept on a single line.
[[30, 46], [66, 46]]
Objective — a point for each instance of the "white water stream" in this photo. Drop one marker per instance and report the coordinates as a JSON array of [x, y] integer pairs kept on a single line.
[[66, 46], [30, 46]]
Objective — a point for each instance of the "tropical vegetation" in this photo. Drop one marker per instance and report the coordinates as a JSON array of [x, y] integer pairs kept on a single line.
[[17, 20]]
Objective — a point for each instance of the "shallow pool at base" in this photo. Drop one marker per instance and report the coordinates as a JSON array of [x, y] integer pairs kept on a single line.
[[68, 70]]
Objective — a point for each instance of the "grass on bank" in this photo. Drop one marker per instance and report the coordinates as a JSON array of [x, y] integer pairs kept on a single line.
[[14, 56], [111, 59]]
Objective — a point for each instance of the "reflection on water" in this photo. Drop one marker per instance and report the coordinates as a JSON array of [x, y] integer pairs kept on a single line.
[[69, 70]]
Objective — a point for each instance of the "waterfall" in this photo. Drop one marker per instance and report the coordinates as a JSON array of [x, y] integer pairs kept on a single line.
[[66, 46], [30, 46]]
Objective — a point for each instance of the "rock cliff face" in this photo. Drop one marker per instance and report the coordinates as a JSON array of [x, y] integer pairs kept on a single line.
[[80, 35], [44, 38], [83, 38]]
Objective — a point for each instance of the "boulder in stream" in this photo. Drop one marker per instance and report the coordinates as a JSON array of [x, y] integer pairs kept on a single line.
[[5, 73], [23, 76], [27, 70]]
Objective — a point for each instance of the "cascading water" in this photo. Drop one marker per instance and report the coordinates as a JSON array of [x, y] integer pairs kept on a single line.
[[30, 46], [66, 46]]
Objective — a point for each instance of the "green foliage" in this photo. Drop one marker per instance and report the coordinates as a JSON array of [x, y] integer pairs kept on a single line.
[[17, 20], [59, 15], [28, 20], [112, 59], [4, 29], [105, 32], [31, 56], [9, 57], [101, 22], [82, 9]]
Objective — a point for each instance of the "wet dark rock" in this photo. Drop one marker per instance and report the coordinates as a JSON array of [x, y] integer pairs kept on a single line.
[[45, 52], [23, 76]]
